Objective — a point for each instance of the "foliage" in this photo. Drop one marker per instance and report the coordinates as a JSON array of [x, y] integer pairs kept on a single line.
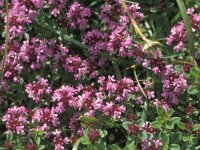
[[99, 74]]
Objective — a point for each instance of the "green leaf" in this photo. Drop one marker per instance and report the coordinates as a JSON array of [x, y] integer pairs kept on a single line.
[[37, 140], [193, 140], [10, 136], [175, 120], [175, 147], [75, 147], [115, 147], [170, 113], [192, 90], [181, 125], [169, 125], [178, 68], [156, 124], [20, 148], [166, 139], [195, 73], [39, 132], [126, 124], [41, 147], [139, 122], [90, 147], [85, 132], [145, 135], [160, 119], [195, 127], [161, 112], [85, 141], [197, 148], [186, 138], [2, 148], [103, 133], [129, 145], [35, 123], [3, 34], [90, 120], [175, 137], [101, 145], [27, 36]]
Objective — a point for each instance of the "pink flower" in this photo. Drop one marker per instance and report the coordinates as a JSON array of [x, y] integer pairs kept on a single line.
[[1, 3], [178, 32], [113, 110], [38, 89], [16, 119], [157, 143], [93, 135], [35, 53], [134, 11], [173, 85], [133, 129], [120, 42], [58, 140], [38, 3], [66, 95], [77, 66], [96, 40], [46, 118], [78, 16]]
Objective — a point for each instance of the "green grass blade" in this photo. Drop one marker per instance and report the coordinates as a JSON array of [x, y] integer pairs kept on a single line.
[[6, 42], [188, 27]]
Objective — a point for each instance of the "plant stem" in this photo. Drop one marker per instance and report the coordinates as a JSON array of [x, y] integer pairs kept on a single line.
[[188, 27], [133, 22], [148, 43], [6, 43], [136, 78]]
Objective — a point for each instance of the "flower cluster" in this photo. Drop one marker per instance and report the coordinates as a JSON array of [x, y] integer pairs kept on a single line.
[[178, 32], [86, 73], [78, 16], [96, 40], [12, 66], [27, 10], [56, 6], [34, 52], [16, 119], [120, 40], [65, 96], [178, 35], [173, 84], [46, 119], [58, 141], [118, 90], [154, 144], [77, 66], [113, 15], [36, 90]]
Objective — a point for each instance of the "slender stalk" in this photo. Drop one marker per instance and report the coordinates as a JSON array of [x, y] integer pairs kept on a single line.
[[6, 43], [148, 43], [188, 27], [133, 22], [53, 76], [136, 78]]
